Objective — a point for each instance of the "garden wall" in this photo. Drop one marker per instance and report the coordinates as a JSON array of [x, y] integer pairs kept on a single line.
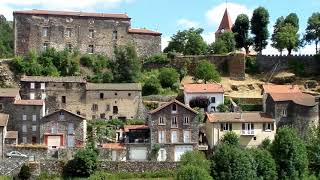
[[267, 62]]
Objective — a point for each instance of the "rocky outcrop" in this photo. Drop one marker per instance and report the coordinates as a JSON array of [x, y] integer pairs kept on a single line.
[[7, 77]]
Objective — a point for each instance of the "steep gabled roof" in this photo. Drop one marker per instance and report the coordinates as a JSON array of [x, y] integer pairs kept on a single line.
[[226, 23], [73, 13], [74, 114], [171, 102]]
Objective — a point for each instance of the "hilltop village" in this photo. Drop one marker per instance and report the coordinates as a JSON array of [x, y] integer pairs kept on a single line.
[[87, 87]]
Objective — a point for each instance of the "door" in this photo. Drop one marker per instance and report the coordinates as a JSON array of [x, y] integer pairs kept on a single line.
[[54, 141], [34, 140], [138, 153], [180, 150]]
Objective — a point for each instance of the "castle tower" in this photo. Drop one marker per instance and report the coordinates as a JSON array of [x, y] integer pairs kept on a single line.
[[225, 25]]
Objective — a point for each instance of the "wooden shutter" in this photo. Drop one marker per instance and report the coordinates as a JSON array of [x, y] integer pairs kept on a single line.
[[272, 126], [243, 126], [264, 126], [221, 126], [230, 126]]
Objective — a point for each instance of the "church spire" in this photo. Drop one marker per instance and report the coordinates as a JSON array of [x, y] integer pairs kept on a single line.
[[225, 24]]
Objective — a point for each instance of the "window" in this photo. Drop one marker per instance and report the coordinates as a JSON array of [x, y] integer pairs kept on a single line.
[[91, 33], [43, 95], [91, 49], [70, 128], [32, 96], [24, 140], [34, 128], [174, 136], [247, 129], [161, 120], [61, 116], [43, 86], [24, 128], [32, 85], [186, 120], [103, 116], [115, 109], [101, 95], [78, 112], [108, 107], [45, 32], [63, 99], [54, 128], [34, 117], [186, 136], [162, 136], [68, 32], [268, 126], [213, 100], [174, 108], [284, 113], [24, 117], [225, 126], [114, 35], [174, 123], [162, 155], [45, 46], [94, 107], [116, 94], [129, 94]]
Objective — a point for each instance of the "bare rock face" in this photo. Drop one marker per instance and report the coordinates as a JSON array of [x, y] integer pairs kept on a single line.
[[6, 75]]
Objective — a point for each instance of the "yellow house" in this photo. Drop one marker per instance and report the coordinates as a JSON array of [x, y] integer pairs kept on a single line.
[[252, 127]]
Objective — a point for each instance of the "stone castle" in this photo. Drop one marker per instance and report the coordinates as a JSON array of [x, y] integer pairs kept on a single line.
[[86, 32]]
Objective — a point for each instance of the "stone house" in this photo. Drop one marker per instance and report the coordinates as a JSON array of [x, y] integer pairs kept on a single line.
[[251, 127], [3, 130], [212, 95], [289, 106], [174, 127], [86, 32], [7, 98], [113, 152], [63, 128], [26, 117]]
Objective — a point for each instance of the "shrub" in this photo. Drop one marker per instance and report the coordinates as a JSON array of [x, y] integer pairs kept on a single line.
[[222, 108], [195, 158], [159, 58], [151, 86], [190, 172], [24, 173], [168, 77], [87, 60], [251, 107], [231, 138], [251, 65], [45, 175], [135, 122], [207, 72], [266, 144], [266, 166], [84, 164], [154, 152]]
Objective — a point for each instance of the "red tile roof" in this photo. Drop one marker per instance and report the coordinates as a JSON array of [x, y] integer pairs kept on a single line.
[[29, 102], [173, 101], [271, 88], [72, 13], [12, 135], [114, 146], [203, 88], [238, 117], [127, 128], [298, 98], [4, 119], [9, 92], [226, 23], [144, 31]]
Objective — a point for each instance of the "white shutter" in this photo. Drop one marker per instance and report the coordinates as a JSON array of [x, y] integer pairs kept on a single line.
[[186, 136], [174, 137]]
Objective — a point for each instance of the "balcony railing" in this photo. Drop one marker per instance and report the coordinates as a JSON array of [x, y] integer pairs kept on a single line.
[[247, 132]]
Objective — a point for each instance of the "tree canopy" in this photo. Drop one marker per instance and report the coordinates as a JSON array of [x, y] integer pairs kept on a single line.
[[259, 28], [241, 32], [313, 30], [207, 71], [225, 43], [6, 38], [187, 42]]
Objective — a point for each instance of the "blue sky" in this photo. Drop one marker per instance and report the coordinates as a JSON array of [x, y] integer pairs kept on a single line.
[[169, 16]]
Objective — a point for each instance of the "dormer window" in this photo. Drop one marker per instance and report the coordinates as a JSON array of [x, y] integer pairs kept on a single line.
[[174, 108], [61, 116]]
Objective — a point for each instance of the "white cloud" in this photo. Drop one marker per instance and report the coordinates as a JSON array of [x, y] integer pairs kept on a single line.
[[186, 23], [215, 14], [164, 42], [308, 49], [209, 37], [7, 6]]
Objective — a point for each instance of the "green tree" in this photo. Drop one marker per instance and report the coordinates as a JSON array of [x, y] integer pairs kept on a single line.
[[224, 44], [292, 19], [188, 42], [190, 172], [241, 32], [218, 47], [279, 45], [259, 28], [290, 154], [24, 173], [151, 86], [6, 38], [195, 158], [168, 77], [231, 139], [313, 30], [313, 149], [126, 68], [207, 72], [266, 166], [232, 163], [84, 164]]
